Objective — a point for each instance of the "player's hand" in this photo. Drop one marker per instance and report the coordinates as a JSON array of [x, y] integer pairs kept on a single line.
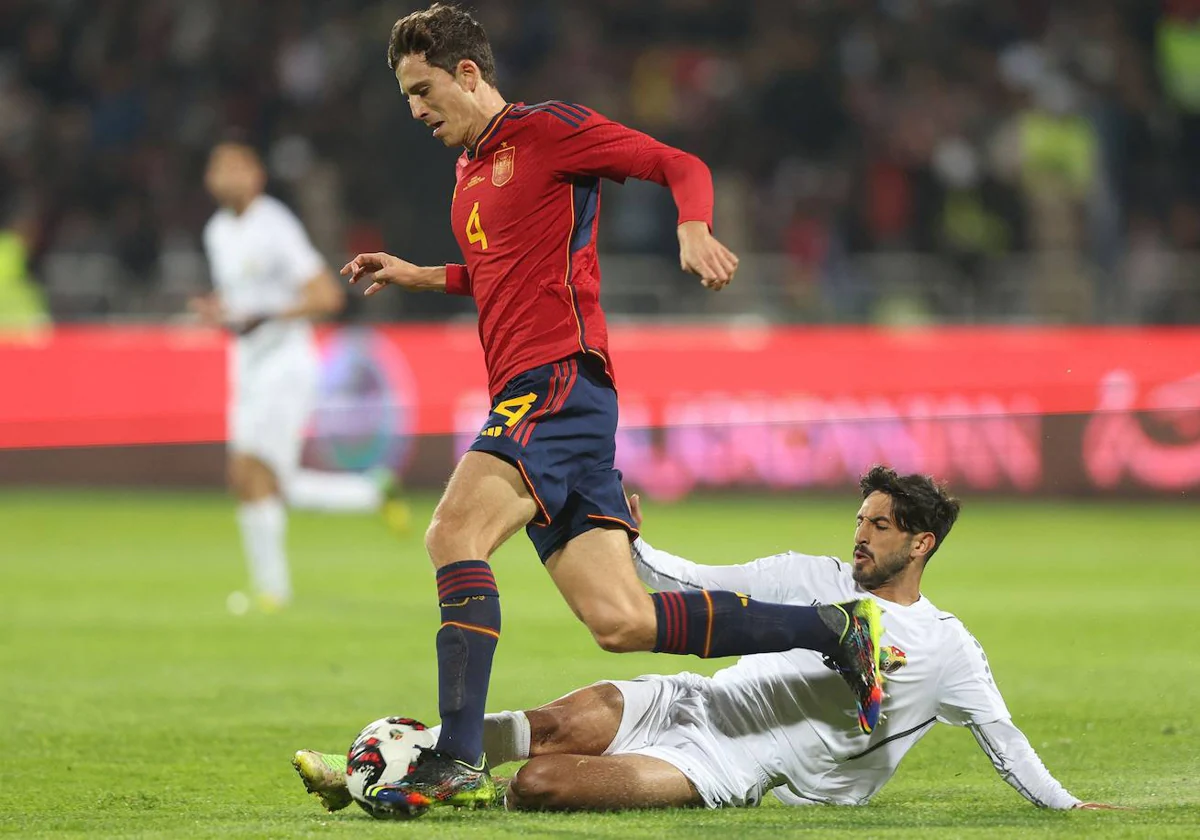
[[381, 270], [635, 509], [1100, 806], [208, 309], [701, 254]]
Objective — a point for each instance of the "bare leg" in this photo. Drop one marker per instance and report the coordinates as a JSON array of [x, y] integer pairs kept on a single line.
[[585, 722], [599, 783], [485, 503], [262, 520], [250, 478], [595, 574]]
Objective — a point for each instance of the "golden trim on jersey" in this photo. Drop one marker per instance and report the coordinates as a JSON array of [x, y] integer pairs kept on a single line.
[[488, 131]]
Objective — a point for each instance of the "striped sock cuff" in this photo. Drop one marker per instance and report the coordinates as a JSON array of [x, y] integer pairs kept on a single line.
[[671, 610], [466, 579]]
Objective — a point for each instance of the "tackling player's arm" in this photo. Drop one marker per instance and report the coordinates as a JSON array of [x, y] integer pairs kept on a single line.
[[765, 579], [968, 696], [380, 270], [593, 145]]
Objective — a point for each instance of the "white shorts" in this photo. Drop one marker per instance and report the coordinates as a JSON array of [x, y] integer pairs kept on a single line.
[[666, 717], [271, 399]]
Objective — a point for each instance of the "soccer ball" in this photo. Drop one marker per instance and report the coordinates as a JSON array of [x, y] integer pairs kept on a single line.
[[382, 753]]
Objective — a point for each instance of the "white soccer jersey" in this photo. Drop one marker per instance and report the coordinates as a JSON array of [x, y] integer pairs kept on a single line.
[[260, 260], [796, 718]]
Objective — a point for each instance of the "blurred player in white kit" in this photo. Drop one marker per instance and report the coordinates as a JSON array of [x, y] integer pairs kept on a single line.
[[270, 284]]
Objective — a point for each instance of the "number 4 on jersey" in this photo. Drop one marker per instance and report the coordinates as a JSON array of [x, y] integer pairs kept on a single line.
[[475, 234]]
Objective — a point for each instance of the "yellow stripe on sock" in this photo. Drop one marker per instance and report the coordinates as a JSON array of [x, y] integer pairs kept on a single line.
[[487, 631], [708, 635]]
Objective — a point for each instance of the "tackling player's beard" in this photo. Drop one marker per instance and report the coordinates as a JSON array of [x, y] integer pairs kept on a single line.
[[882, 569]]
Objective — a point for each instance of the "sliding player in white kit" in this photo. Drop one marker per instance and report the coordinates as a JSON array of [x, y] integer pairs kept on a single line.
[[772, 722], [269, 285]]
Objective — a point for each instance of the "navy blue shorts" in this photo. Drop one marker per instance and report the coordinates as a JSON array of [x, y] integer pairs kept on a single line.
[[558, 424]]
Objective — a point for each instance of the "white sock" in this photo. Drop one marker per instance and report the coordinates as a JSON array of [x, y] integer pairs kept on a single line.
[[333, 491], [263, 525], [506, 737]]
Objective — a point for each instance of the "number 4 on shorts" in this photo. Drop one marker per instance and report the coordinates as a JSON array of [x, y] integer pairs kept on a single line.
[[515, 409]]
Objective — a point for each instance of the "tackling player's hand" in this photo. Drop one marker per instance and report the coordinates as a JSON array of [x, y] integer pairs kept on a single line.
[[1099, 806], [208, 309], [701, 254], [635, 509], [382, 270]]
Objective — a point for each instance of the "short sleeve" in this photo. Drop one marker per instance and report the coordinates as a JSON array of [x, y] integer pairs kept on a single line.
[[300, 260]]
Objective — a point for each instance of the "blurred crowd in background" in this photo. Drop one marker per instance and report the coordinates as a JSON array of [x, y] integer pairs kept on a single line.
[[875, 160]]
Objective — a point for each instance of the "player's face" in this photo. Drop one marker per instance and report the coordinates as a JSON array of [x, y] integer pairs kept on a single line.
[[437, 99], [881, 549], [234, 175]]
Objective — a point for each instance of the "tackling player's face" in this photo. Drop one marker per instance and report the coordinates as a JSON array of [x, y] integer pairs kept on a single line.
[[234, 175], [437, 99], [881, 549]]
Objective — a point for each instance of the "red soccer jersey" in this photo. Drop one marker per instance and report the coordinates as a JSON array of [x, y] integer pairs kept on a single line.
[[526, 209]]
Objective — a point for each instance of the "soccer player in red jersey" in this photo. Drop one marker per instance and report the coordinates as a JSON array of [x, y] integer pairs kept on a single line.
[[525, 213]]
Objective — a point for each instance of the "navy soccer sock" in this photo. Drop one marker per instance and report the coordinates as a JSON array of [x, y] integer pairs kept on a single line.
[[710, 623], [466, 642]]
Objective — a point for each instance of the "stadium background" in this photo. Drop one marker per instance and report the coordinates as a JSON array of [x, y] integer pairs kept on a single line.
[[970, 240], [898, 165]]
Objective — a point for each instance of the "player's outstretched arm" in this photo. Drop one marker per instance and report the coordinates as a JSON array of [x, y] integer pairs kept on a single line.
[[380, 270], [586, 143], [762, 579], [1015, 760], [968, 696]]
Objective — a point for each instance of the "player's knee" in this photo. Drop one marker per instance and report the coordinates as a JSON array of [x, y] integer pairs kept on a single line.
[[550, 731], [622, 630], [233, 477], [583, 723], [618, 640], [245, 479], [444, 542], [536, 786]]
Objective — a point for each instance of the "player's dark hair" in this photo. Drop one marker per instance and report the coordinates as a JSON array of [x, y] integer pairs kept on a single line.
[[918, 502], [445, 35]]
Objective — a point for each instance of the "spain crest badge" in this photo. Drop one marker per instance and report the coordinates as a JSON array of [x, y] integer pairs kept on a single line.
[[503, 164]]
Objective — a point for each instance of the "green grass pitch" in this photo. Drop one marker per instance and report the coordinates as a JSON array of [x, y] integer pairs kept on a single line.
[[132, 704]]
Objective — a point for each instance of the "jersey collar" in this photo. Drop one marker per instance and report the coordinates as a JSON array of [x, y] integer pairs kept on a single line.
[[493, 124]]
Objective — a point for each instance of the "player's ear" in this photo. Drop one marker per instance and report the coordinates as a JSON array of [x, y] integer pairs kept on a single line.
[[923, 543], [467, 74]]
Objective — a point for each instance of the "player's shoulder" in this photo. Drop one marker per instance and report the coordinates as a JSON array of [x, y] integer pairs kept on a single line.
[[954, 632], [946, 620], [270, 209], [217, 222], [554, 114]]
